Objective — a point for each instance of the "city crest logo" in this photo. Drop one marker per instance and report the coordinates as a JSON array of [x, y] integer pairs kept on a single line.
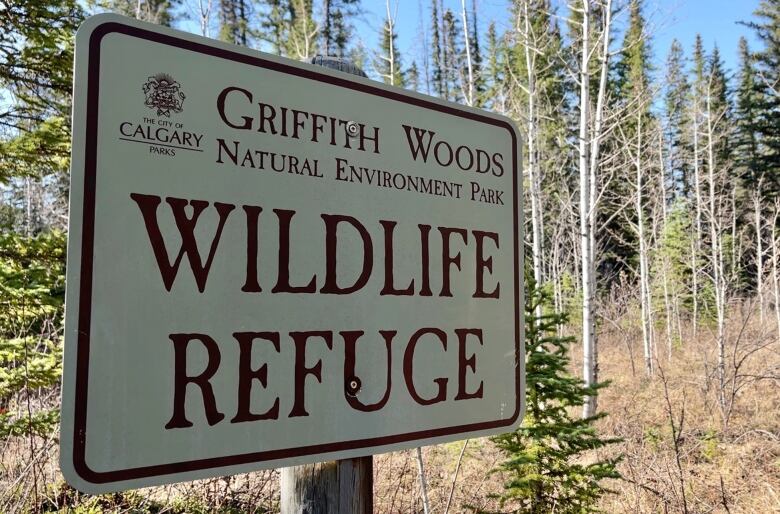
[[163, 136], [164, 94]]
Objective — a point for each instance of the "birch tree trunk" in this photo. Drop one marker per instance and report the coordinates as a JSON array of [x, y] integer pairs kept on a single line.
[[718, 278], [696, 242], [533, 161], [589, 372], [595, 147], [467, 44], [668, 304], [759, 250], [643, 268], [391, 28]]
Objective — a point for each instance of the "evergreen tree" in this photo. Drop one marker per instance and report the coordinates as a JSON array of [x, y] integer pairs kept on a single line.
[[451, 55], [275, 25], [720, 105], [153, 11], [413, 77], [545, 469], [698, 93], [767, 59], [336, 25], [32, 274], [301, 40], [495, 86], [623, 248], [359, 55], [677, 121], [633, 68], [387, 62], [747, 112], [671, 258], [476, 57], [234, 21], [436, 49], [699, 61], [36, 49]]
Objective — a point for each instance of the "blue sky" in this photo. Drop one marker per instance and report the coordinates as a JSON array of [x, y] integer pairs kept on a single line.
[[716, 20]]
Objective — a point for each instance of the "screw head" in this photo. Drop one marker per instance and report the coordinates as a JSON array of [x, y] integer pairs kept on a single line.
[[352, 386], [353, 129]]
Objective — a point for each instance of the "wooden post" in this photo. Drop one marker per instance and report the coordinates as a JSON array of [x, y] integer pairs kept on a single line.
[[342, 486], [335, 487]]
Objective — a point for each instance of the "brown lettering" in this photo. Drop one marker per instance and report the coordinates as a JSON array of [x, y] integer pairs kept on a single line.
[[409, 367], [181, 380]]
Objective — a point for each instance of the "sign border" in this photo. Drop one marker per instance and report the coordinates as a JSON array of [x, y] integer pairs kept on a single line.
[[80, 466]]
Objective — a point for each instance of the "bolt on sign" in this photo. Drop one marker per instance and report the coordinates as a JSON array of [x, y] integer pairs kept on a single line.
[[272, 263]]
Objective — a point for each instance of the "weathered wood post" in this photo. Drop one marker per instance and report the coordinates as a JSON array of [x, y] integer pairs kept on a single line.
[[342, 486]]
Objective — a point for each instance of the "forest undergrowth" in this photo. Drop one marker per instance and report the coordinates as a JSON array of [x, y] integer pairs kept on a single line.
[[680, 451]]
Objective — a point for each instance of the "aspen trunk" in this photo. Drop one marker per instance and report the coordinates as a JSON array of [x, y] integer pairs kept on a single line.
[[759, 251], [718, 278], [392, 46], [595, 146], [696, 243], [533, 161], [643, 268], [667, 302], [589, 371], [470, 86]]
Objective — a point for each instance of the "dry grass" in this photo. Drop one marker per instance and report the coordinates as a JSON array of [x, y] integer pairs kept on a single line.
[[731, 467], [715, 466]]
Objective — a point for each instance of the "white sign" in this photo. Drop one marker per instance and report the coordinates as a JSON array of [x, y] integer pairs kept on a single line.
[[271, 263]]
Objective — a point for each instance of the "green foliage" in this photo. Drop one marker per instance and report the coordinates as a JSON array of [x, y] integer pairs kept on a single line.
[[36, 49], [672, 257], [767, 70], [451, 55], [234, 21], [388, 60], [42, 150], [634, 67], [548, 467], [719, 105], [709, 445], [437, 59], [413, 77], [32, 288], [677, 122], [302, 31], [337, 29], [153, 11], [747, 111]]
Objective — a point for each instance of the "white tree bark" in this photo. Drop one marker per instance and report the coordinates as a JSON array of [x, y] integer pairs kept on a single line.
[[668, 303], [759, 249], [644, 273], [589, 371], [696, 242], [717, 258], [530, 44], [469, 89], [391, 28]]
